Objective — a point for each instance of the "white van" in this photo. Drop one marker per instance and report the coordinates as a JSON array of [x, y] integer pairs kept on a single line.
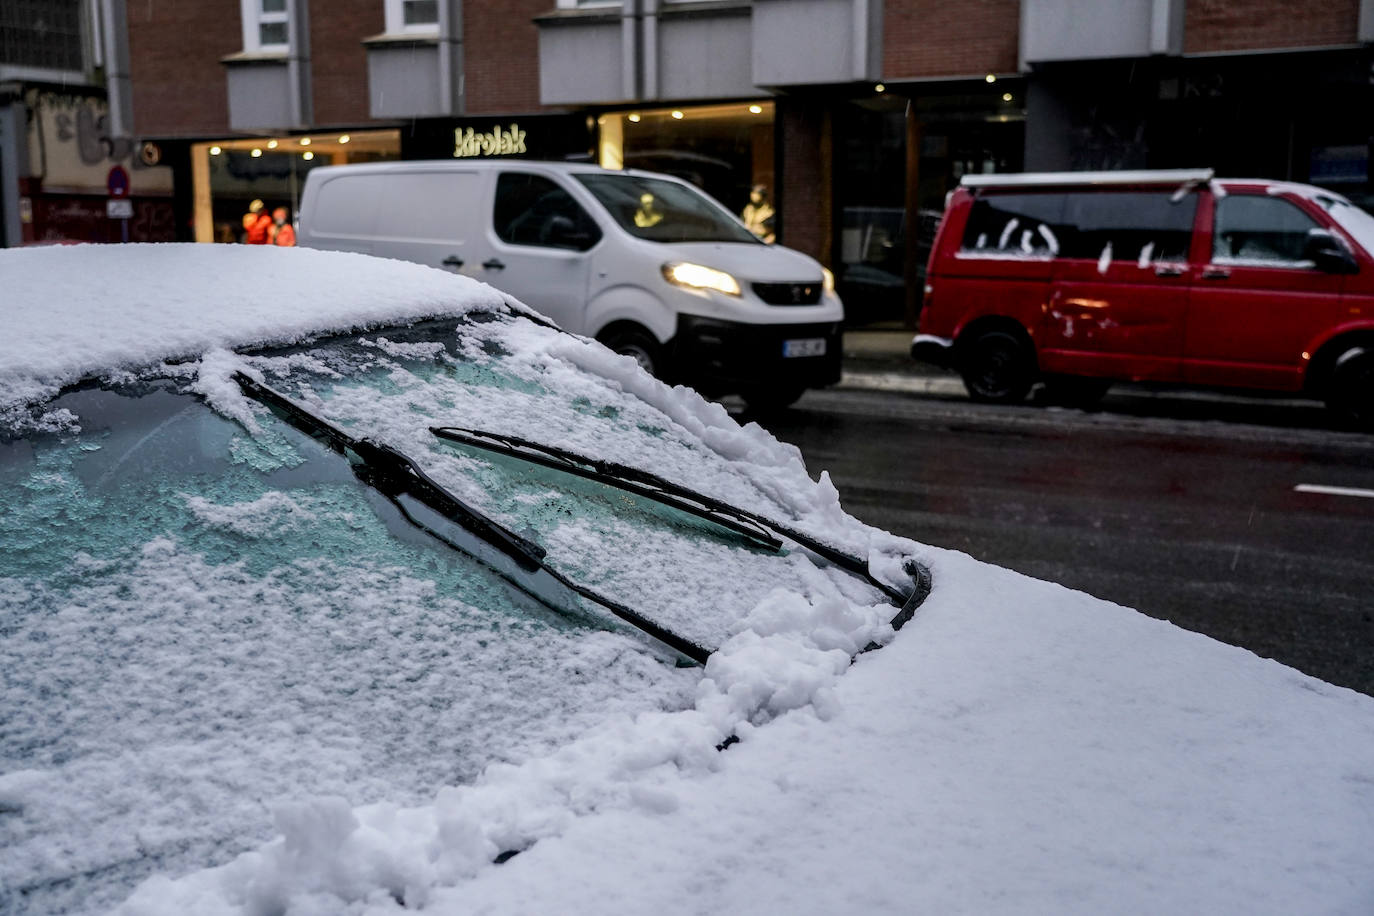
[[643, 262]]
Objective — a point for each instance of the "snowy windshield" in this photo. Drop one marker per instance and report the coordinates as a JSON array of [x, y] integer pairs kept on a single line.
[[1356, 222], [201, 616], [663, 211]]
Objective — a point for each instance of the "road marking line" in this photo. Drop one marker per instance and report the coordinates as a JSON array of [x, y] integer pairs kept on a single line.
[[1333, 491]]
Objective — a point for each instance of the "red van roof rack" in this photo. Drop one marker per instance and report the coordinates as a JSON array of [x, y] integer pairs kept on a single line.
[[1080, 179]]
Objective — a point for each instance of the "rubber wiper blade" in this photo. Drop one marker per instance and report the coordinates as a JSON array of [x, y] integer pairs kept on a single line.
[[652, 486], [394, 475], [629, 479]]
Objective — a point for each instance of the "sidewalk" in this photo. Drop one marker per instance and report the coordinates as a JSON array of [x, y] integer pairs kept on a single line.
[[879, 358]]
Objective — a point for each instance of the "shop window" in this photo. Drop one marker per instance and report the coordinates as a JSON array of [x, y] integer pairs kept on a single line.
[[725, 150], [412, 16], [266, 25], [532, 210], [1265, 230]]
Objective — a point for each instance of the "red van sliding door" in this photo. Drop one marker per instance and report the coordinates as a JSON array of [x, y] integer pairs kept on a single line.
[[1119, 293]]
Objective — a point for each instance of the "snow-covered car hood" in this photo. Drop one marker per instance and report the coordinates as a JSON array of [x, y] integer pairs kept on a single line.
[[1015, 747]]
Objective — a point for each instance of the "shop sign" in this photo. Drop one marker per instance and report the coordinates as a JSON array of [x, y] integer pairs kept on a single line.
[[499, 142]]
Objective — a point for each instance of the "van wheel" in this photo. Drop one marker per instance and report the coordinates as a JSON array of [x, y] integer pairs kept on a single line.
[[771, 398], [637, 345], [1350, 387], [997, 368], [1074, 391]]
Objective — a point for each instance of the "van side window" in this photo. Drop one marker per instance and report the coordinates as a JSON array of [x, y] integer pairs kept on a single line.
[[1140, 226], [1014, 225], [1267, 231], [533, 210]]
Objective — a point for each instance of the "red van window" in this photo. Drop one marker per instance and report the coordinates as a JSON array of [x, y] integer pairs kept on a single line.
[[1144, 226], [1266, 231], [1141, 226], [1014, 225]]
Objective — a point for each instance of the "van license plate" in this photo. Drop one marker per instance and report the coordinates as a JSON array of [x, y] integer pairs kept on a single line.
[[811, 346]]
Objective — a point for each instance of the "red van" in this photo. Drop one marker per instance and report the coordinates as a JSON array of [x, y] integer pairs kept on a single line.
[[1079, 279]]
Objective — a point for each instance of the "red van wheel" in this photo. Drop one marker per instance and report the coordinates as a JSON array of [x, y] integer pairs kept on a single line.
[[1350, 388], [997, 368]]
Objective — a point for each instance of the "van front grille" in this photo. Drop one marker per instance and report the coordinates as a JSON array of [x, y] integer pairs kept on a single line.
[[789, 293]]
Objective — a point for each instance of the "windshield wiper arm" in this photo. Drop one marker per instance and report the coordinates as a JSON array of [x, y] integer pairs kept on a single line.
[[394, 474], [652, 486]]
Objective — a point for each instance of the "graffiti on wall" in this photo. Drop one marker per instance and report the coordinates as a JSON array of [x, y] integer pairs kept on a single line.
[[71, 147]]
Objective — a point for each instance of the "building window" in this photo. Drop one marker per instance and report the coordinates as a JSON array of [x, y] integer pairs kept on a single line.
[[266, 25], [41, 33], [412, 16]]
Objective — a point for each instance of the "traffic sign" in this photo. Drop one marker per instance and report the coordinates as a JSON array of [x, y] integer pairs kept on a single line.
[[117, 182]]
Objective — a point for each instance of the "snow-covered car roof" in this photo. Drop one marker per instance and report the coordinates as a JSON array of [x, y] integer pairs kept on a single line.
[[1015, 747], [86, 310]]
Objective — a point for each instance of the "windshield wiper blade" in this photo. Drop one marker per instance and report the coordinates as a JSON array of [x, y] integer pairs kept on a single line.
[[394, 474], [622, 477], [652, 486]]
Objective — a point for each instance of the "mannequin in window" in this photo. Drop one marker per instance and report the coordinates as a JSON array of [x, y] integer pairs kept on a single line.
[[648, 213], [758, 216]]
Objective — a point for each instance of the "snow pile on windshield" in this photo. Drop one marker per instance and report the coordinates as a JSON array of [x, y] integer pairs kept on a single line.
[[89, 310]]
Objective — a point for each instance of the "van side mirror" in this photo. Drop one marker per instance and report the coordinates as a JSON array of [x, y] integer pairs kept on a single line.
[[1328, 253], [562, 232]]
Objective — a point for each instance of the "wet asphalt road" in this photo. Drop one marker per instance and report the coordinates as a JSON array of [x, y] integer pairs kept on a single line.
[[1183, 506]]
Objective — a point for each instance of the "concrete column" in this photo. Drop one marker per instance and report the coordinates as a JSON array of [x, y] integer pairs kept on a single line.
[[451, 96], [1366, 24], [805, 195], [298, 65], [202, 211], [911, 266], [114, 39], [13, 143]]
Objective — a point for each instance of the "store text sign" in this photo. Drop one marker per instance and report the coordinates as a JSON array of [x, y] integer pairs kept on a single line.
[[499, 142]]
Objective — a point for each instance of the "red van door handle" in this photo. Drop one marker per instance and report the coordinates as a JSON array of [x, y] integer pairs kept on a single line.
[[1168, 270], [1215, 273]]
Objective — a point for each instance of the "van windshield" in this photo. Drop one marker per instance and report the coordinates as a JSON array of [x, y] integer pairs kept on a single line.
[[664, 211]]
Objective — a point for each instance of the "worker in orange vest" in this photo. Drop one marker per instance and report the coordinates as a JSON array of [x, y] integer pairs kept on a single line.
[[257, 225], [283, 233]]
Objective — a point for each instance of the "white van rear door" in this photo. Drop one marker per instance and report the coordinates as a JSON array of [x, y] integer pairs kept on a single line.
[[430, 217], [538, 243]]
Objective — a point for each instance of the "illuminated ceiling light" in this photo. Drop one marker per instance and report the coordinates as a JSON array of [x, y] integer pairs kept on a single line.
[[215, 151], [991, 78], [305, 141], [344, 138], [256, 153], [756, 109], [307, 155], [677, 115], [271, 144], [1006, 96], [634, 117], [879, 88]]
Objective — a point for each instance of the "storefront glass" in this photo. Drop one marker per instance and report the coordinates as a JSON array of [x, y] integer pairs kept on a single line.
[[726, 150], [979, 131], [240, 184]]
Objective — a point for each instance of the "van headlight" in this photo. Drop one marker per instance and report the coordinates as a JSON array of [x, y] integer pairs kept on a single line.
[[697, 276], [827, 280]]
